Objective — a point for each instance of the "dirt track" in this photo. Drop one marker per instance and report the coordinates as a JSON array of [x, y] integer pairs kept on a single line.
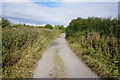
[[74, 67]]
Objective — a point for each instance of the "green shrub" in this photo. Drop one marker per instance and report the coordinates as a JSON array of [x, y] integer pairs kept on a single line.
[[5, 23], [96, 41]]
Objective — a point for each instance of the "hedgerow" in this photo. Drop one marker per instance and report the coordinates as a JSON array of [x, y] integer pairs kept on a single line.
[[96, 41]]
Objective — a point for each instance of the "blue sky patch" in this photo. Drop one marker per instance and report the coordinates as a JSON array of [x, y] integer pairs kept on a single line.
[[49, 4]]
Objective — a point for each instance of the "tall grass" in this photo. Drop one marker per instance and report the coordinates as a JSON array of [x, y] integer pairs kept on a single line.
[[22, 47], [96, 42], [100, 54]]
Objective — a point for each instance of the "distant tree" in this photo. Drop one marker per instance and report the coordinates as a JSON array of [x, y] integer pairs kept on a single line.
[[5, 23], [48, 26], [61, 27], [41, 26], [56, 27]]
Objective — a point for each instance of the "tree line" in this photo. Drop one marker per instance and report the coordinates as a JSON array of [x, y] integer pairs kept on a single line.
[[5, 23]]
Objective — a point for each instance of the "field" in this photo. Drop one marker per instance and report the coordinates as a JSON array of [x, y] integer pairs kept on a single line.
[[96, 41], [22, 47]]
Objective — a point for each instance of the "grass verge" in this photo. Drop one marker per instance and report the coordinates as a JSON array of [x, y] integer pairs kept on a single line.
[[99, 53], [59, 69], [22, 47]]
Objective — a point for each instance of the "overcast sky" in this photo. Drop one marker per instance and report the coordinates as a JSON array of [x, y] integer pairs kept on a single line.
[[56, 12]]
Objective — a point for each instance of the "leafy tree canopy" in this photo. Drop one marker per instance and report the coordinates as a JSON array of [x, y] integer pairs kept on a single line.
[[5, 23], [48, 26]]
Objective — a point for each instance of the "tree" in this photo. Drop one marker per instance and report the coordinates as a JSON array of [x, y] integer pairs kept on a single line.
[[61, 27], [48, 26], [5, 23]]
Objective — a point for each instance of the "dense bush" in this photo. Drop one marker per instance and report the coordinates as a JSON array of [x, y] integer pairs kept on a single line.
[[105, 26], [96, 39]]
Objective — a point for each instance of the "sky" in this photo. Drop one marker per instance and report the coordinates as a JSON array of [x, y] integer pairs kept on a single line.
[[56, 12]]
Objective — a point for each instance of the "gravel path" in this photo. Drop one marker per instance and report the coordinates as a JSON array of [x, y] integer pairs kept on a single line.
[[74, 66]]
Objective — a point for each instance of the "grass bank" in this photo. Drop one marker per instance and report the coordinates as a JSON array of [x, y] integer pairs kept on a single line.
[[97, 42], [22, 47], [95, 52]]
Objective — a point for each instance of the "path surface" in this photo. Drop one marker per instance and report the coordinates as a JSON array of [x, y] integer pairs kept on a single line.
[[74, 67]]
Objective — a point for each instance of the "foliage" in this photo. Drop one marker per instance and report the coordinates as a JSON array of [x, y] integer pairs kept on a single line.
[[96, 41], [5, 23], [105, 26], [22, 47], [48, 26], [61, 27]]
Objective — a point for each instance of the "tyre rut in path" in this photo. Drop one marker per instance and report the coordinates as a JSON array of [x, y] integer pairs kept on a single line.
[[74, 66]]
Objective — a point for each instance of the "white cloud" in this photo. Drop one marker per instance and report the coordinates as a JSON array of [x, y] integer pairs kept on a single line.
[[90, 0], [41, 14], [16, 0], [60, 0]]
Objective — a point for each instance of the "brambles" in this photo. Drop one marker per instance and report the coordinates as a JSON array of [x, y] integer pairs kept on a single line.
[[96, 41]]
